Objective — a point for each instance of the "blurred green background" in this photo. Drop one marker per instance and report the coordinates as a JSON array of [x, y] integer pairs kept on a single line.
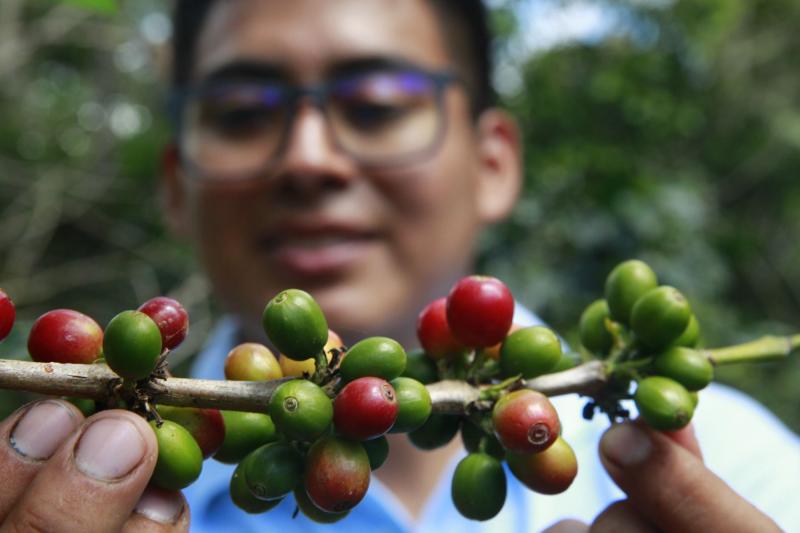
[[664, 130]]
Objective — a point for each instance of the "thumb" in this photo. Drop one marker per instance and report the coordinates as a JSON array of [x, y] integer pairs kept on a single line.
[[669, 485]]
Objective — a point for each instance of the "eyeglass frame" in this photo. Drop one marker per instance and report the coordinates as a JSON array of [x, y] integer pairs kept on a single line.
[[318, 93]]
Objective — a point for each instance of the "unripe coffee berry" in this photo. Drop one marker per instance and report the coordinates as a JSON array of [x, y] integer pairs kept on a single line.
[[132, 344], [626, 283], [301, 410], [295, 324], [525, 421]]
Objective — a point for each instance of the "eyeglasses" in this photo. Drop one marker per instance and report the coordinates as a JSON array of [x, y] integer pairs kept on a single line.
[[239, 129]]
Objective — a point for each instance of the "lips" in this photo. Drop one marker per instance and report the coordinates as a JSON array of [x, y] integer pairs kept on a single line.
[[321, 248]]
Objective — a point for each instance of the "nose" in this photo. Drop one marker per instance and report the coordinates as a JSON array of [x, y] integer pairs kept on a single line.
[[311, 162]]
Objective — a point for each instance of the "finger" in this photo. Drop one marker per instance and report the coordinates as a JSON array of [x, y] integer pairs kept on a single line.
[[567, 526], [671, 487], [159, 511], [93, 481], [686, 437], [28, 438], [621, 517]]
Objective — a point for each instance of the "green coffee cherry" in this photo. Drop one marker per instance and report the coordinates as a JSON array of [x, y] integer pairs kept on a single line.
[[531, 351], [132, 345], [420, 367], [179, 457], [688, 367], [660, 316], [626, 284], [295, 324], [594, 334], [311, 511], [301, 410], [435, 433], [244, 432], [479, 486], [413, 404], [379, 357], [377, 451], [272, 471], [664, 403], [691, 335], [243, 498], [472, 436]]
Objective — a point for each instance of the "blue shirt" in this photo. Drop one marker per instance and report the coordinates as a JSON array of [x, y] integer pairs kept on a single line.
[[742, 442]]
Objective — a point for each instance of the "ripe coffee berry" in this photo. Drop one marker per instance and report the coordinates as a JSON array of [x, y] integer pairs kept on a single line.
[[337, 474], [170, 317], [65, 336], [434, 333], [525, 421], [8, 314], [365, 408], [479, 311]]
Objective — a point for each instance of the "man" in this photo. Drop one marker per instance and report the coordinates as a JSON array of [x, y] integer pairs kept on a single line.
[[348, 148]]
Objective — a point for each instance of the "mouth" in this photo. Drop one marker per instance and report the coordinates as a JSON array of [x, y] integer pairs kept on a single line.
[[318, 250]]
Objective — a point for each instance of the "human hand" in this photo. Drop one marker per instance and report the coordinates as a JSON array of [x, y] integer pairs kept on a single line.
[[668, 487], [60, 472]]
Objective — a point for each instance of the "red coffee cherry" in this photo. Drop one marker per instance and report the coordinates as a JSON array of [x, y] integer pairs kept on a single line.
[[549, 472], [479, 311], [65, 336], [525, 421], [434, 333], [170, 317], [365, 408], [337, 474], [8, 314]]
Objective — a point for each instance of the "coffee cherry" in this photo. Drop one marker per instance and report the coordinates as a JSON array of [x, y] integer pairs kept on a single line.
[[660, 316], [86, 406], [479, 486], [437, 431], [307, 367], [295, 324], [688, 367], [565, 362], [273, 470], [525, 421], [479, 311], [530, 351], [594, 334], [312, 512], [472, 436], [380, 357], [690, 336], [170, 317], [434, 333], [377, 451], [413, 403], [205, 425], [301, 410], [664, 404], [420, 367], [337, 474], [365, 408], [244, 432], [243, 498], [625, 285], [251, 361], [549, 472], [179, 457], [8, 314], [65, 336], [132, 344]]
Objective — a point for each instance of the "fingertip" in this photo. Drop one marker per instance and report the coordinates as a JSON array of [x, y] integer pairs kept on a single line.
[[625, 445]]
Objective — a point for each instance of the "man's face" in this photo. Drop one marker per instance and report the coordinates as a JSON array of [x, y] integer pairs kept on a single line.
[[372, 244]]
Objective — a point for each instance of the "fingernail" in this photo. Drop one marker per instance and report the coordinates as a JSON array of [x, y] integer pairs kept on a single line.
[[625, 445], [109, 449], [42, 429], [160, 505]]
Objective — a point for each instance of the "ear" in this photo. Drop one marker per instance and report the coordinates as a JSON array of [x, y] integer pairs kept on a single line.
[[499, 158], [173, 192]]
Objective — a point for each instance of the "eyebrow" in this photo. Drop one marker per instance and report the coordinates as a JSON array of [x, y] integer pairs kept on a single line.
[[246, 69]]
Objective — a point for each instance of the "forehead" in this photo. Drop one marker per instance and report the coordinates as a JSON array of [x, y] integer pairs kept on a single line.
[[308, 37]]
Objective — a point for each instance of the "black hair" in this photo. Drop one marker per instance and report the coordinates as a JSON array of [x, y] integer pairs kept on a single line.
[[464, 25]]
